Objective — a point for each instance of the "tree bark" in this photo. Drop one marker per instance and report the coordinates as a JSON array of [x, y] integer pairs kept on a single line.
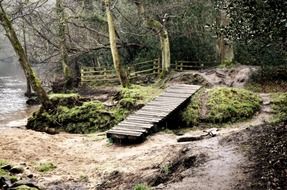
[[19, 50], [28, 92], [113, 44], [161, 30], [224, 46], [62, 44]]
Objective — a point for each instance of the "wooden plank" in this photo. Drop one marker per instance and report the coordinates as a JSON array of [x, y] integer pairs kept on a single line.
[[126, 133], [145, 62], [168, 94], [149, 113], [143, 71], [130, 129], [160, 105], [138, 124], [189, 92], [162, 110], [169, 99], [184, 88], [145, 119]]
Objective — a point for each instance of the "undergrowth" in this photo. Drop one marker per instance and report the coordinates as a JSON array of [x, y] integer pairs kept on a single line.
[[221, 105]]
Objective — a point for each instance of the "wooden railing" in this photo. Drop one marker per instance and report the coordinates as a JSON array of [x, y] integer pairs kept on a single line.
[[146, 68], [96, 74], [189, 65]]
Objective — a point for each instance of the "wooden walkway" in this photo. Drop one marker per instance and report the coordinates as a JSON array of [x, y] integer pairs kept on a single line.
[[137, 126]]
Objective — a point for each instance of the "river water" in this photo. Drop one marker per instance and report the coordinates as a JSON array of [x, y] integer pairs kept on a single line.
[[13, 108]]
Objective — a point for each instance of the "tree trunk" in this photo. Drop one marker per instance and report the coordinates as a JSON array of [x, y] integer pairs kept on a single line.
[[115, 53], [224, 46], [19, 50], [28, 92], [163, 36], [63, 45]]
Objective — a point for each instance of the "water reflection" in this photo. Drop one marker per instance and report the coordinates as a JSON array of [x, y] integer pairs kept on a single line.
[[13, 108]]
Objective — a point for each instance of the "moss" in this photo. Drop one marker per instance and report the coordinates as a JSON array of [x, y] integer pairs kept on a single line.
[[279, 106], [136, 95], [89, 117], [69, 100], [45, 167], [141, 187], [221, 105], [4, 173], [3, 162], [25, 187], [72, 114], [191, 114]]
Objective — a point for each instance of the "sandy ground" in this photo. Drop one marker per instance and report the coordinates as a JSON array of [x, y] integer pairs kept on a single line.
[[88, 160]]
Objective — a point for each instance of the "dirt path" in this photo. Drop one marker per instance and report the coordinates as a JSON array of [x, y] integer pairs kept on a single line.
[[85, 161], [223, 169]]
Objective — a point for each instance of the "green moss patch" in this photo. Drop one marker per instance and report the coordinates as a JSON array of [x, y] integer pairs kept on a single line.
[[89, 117], [137, 95], [221, 105], [74, 114], [279, 106], [45, 167]]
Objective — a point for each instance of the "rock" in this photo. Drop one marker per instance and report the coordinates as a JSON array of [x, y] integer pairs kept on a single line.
[[16, 170], [28, 184], [33, 101], [30, 175], [6, 167], [5, 183]]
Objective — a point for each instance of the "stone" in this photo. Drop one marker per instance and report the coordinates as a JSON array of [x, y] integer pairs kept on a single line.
[[6, 167], [16, 170]]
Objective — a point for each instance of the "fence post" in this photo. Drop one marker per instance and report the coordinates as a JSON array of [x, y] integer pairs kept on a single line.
[[105, 73], [158, 66], [81, 76], [155, 67], [128, 71], [176, 65], [181, 66]]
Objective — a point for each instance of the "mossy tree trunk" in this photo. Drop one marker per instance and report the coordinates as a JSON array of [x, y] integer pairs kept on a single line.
[[224, 46], [161, 30], [62, 29], [115, 52], [19, 50]]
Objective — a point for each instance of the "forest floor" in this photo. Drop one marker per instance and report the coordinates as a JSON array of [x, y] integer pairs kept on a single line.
[[91, 162]]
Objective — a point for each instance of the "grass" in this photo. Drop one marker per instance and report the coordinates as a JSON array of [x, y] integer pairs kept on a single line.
[[222, 105], [279, 106], [141, 187], [45, 167]]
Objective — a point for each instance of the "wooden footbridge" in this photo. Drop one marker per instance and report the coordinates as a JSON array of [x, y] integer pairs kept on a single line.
[[147, 120]]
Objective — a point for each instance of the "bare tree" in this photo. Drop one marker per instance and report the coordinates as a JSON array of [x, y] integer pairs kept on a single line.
[[19, 50]]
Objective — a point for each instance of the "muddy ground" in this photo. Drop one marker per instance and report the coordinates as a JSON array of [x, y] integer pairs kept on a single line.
[[231, 160]]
